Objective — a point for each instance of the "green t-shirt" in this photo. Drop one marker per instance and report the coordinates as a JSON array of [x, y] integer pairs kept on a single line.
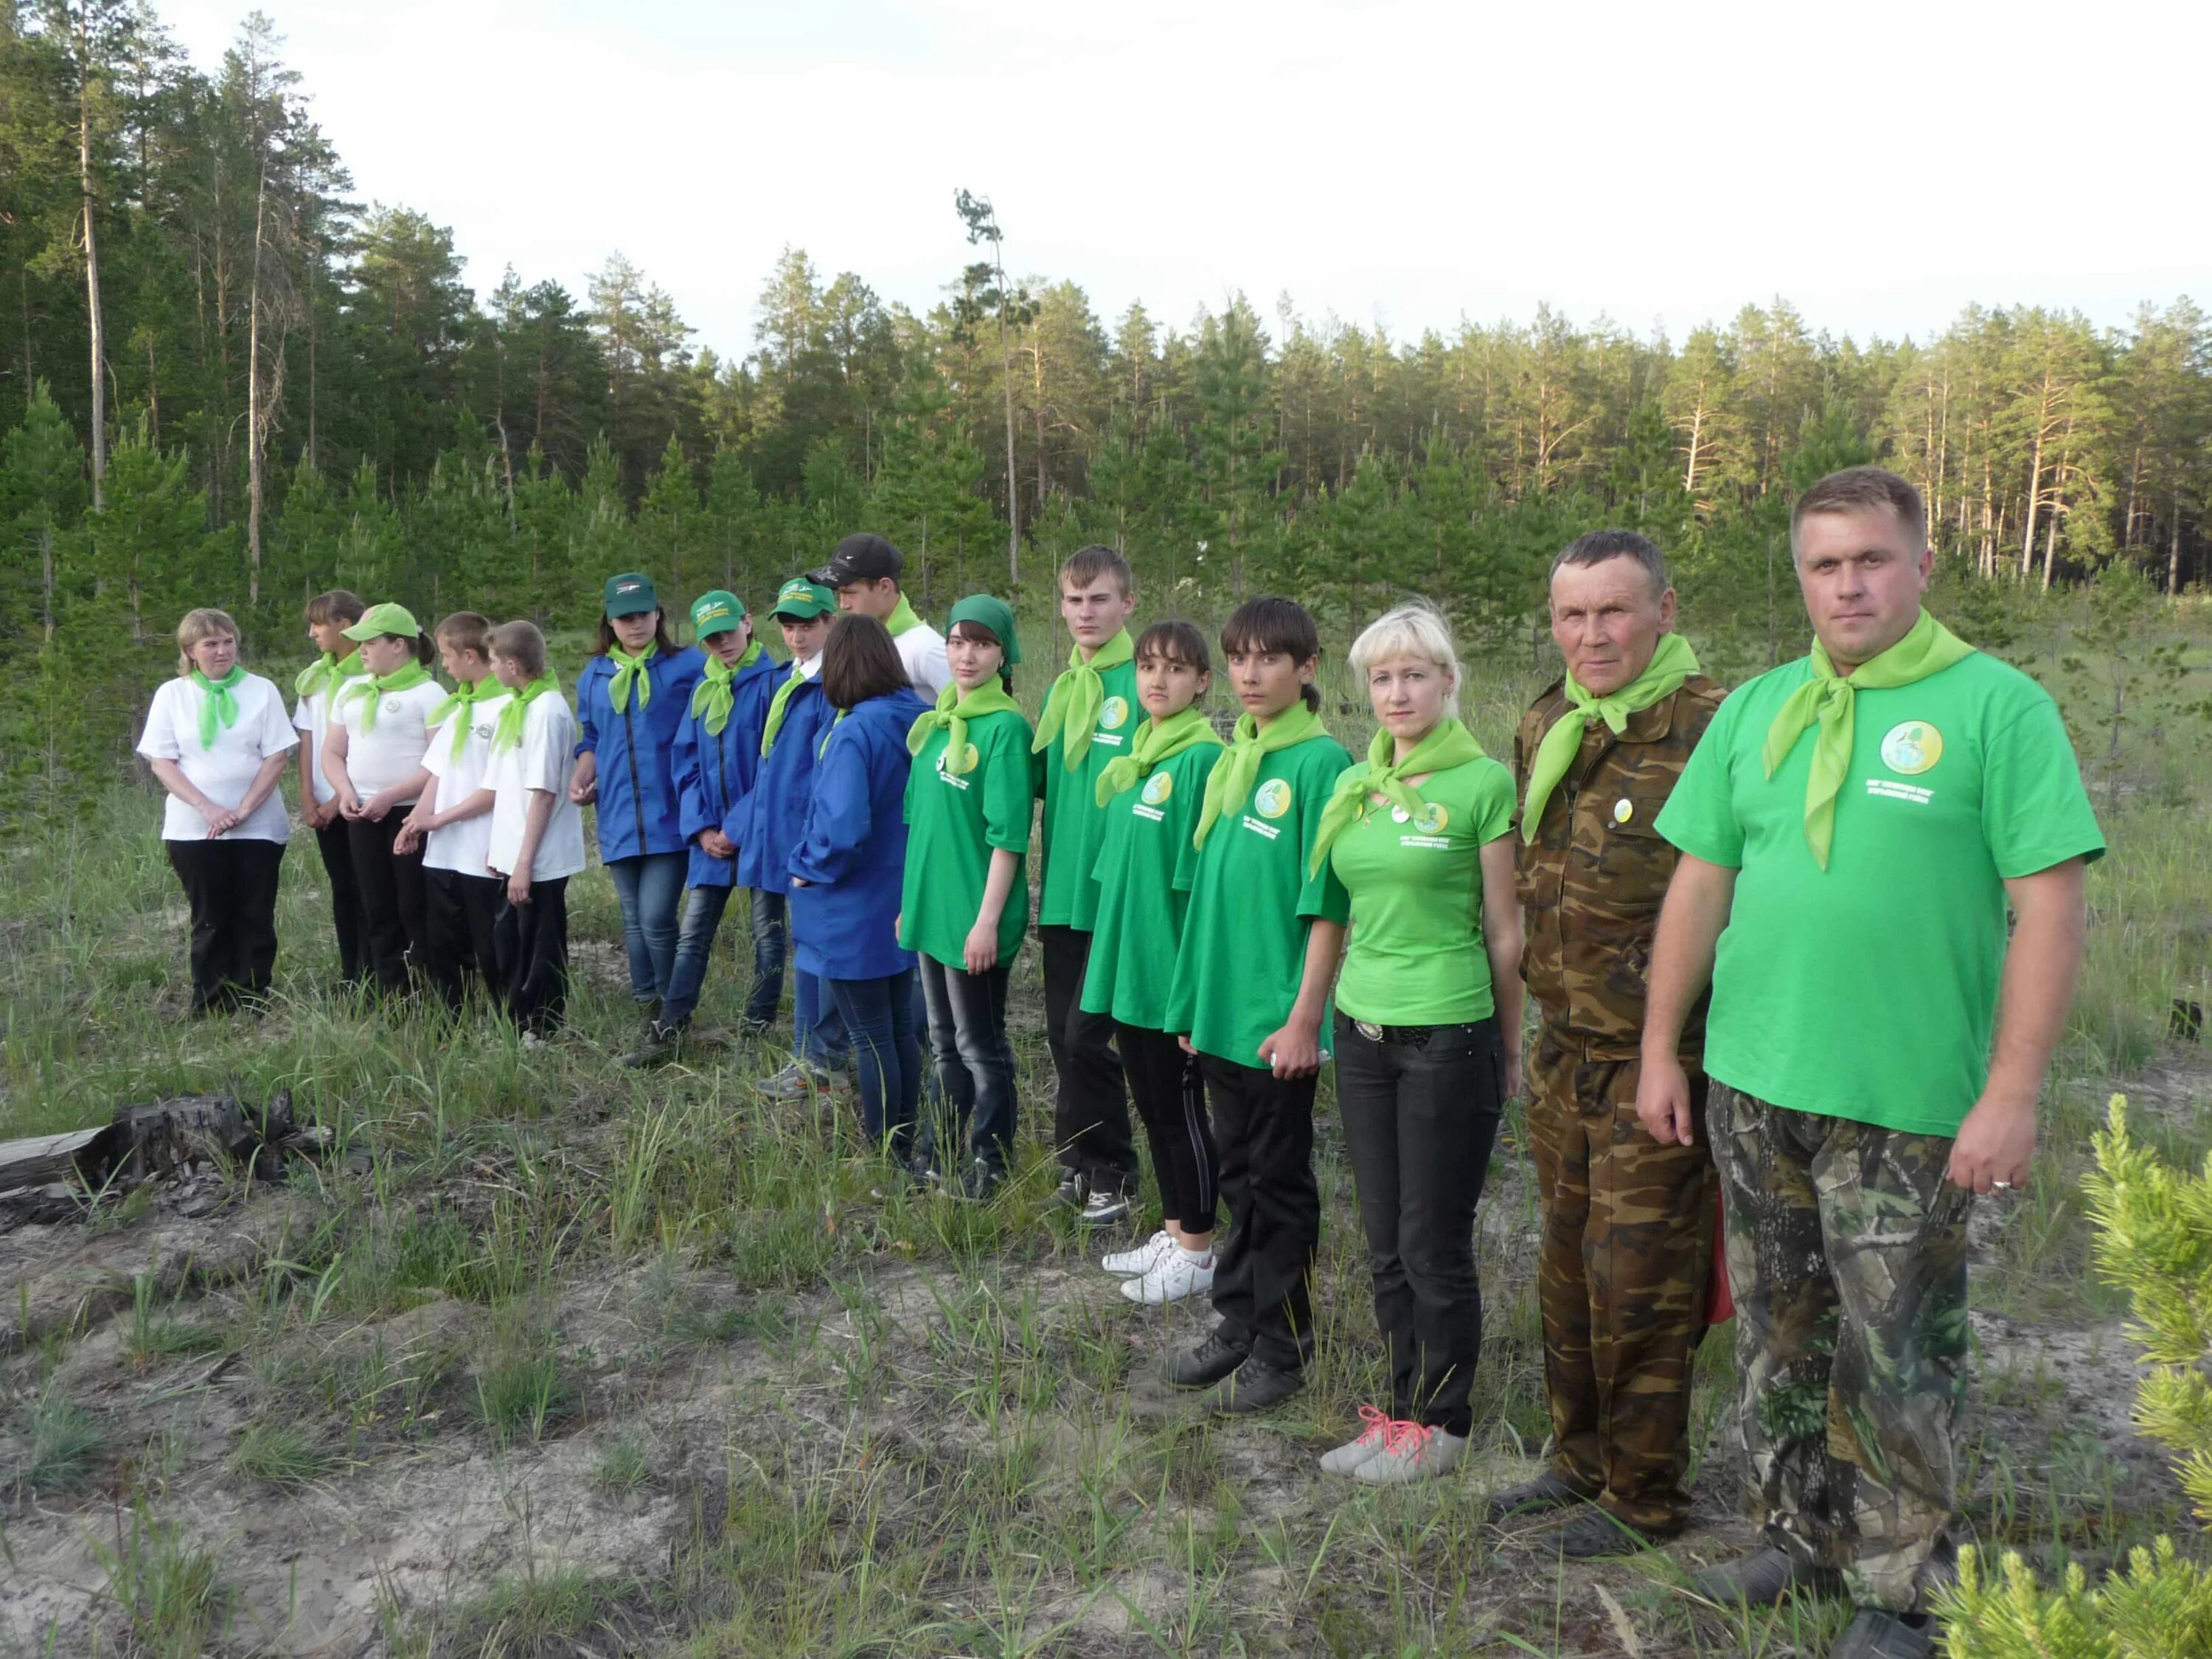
[[1869, 990], [1243, 946], [954, 821], [1142, 877], [1416, 956], [1074, 820]]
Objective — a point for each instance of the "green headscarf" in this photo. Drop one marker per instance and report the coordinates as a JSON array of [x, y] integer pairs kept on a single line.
[[508, 731], [1827, 700], [1449, 744], [219, 708], [1158, 743], [372, 691], [1071, 708], [328, 672], [465, 696], [1671, 664], [716, 694], [954, 711], [630, 671], [1230, 783], [992, 613]]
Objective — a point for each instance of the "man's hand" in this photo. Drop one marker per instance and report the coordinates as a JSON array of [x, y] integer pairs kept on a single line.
[[716, 845], [518, 888], [1294, 1051], [1663, 1102], [1994, 1147], [408, 838]]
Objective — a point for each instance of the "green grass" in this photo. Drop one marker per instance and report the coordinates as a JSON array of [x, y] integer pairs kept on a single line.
[[59, 1442]]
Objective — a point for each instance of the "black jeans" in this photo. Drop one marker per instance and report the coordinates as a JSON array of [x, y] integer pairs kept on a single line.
[[533, 944], [333, 842], [975, 1063], [230, 887], [392, 900], [463, 912], [879, 1015], [1418, 1123], [1170, 1098], [1091, 1111], [1263, 1125], [771, 929]]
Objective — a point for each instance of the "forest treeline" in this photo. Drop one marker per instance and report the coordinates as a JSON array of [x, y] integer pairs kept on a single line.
[[223, 378]]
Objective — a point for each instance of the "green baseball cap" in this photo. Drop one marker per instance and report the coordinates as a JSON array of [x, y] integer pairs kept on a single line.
[[630, 593], [994, 614], [717, 611], [387, 618], [802, 600]]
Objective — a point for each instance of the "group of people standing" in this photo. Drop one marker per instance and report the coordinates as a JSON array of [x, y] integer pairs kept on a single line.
[[1779, 915]]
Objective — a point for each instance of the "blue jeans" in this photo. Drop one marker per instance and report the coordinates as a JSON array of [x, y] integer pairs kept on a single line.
[[650, 887], [771, 932], [974, 1062], [817, 1030], [878, 1018], [694, 947]]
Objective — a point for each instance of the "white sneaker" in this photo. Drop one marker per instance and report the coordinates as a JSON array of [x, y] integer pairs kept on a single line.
[[1352, 1453], [1131, 1264], [1174, 1276], [1411, 1451]]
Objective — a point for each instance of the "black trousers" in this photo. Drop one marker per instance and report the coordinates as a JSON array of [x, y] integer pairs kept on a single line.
[[531, 941], [335, 843], [1170, 1098], [462, 911], [1418, 1123], [230, 887], [392, 899], [967, 1020], [1090, 1110], [1263, 1125]]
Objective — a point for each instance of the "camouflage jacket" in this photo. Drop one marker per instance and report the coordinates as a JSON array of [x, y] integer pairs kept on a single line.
[[1591, 879]]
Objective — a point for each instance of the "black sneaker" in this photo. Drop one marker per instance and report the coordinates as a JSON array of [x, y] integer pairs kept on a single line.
[[1598, 1535], [1074, 1189], [1763, 1579], [1875, 1634], [1547, 1492], [661, 1042], [1103, 1208], [1254, 1386], [1205, 1364], [979, 1180]]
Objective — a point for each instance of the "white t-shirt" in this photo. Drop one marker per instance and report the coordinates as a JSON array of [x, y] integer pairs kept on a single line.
[[543, 760], [394, 751], [225, 772], [312, 717], [463, 846], [922, 650]]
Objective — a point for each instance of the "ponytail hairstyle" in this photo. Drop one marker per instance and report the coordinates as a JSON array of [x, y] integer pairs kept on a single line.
[[977, 633], [426, 648], [204, 623], [1269, 625]]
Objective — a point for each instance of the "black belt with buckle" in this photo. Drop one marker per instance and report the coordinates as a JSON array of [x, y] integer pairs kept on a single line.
[[1402, 1036]]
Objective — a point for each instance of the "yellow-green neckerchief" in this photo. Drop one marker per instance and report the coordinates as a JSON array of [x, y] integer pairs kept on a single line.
[[954, 710], [1071, 708], [219, 708], [829, 732], [328, 672], [1449, 744], [630, 671], [716, 694], [780, 705], [1158, 743], [1670, 664], [371, 691], [1230, 781], [466, 695], [508, 731], [1826, 700], [901, 619]]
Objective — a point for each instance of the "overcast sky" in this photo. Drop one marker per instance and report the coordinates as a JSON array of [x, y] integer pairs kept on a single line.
[[1399, 164]]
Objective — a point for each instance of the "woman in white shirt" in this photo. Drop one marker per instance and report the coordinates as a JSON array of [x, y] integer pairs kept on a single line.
[[379, 732], [216, 738], [328, 617]]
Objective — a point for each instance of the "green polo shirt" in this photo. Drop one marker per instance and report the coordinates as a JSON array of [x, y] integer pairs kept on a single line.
[[955, 820], [1869, 990], [1145, 867], [1074, 820]]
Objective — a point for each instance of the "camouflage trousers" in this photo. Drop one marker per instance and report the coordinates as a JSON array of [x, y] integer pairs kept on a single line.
[[1847, 1255], [1621, 1279]]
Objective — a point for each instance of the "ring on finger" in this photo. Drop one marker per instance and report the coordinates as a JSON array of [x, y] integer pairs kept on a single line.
[[1999, 1186]]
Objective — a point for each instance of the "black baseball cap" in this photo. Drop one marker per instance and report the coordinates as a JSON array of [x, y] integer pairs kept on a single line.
[[864, 557]]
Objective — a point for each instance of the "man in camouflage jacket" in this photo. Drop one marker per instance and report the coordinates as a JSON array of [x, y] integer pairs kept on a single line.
[[1628, 1224]]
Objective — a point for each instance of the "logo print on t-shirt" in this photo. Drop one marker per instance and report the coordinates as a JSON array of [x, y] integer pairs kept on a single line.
[[1431, 823], [1273, 798], [391, 705], [485, 731], [1158, 789], [1911, 748], [1115, 714]]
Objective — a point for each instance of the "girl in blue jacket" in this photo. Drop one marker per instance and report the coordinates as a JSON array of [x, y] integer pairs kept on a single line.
[[846, 875], [630, 699]]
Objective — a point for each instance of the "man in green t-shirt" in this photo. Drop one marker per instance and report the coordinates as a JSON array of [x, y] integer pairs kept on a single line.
[[1852, 828]]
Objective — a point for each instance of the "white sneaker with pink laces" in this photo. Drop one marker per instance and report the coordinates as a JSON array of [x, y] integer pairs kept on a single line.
[[1352, 1453], [1411, 1451]]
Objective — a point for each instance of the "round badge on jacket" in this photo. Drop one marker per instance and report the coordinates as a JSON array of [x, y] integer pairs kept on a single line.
[[1158, 789], [1911, 747], [1273, 798], [1115, 714]]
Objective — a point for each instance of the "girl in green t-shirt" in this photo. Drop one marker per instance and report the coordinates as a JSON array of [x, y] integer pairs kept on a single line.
[[965, 904], [1140, 884]]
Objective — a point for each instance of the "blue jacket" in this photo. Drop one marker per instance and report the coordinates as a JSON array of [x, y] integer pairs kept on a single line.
[[772, 817], [637, 749], [714, 774], [854, 850]]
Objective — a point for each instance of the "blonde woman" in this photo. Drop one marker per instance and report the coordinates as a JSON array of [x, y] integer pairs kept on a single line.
[[217, 738]]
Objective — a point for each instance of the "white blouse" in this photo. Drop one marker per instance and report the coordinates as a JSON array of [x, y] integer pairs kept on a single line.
[[465, 846], [393, 752], [225, 771]]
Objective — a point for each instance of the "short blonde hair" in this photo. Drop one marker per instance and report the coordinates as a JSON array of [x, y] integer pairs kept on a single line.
[[204, 623], [1411, 630]]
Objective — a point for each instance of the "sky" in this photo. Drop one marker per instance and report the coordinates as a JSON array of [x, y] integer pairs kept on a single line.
[[1401, 164]]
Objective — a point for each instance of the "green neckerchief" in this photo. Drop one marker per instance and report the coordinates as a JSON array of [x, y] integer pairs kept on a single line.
[[955, 711], [829, 732], [630, 671], [1670, 664], [508, 731], [328, 672], [780, 705], [372, 690], [219, 708], [466, 695], [901, 619], [1827, 699], [1449, 744], [1071, 708], [716, 694], [1230, 781], [1158, 743]]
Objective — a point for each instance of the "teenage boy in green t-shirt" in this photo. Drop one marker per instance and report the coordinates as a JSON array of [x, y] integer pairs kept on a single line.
[[1852, 829], [1090, 717]]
